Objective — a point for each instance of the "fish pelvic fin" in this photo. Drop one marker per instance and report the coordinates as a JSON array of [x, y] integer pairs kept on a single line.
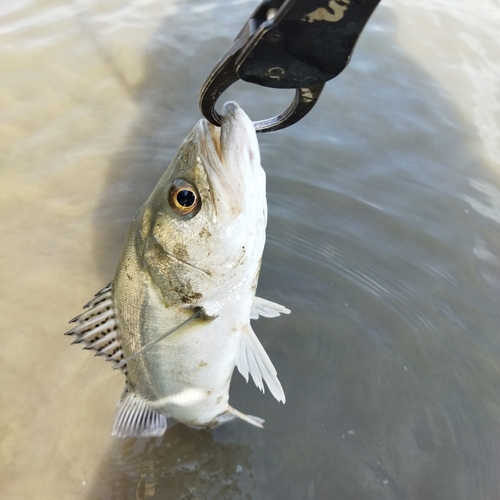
[[97, 328], [251, 419], [266, 309], [136, 418], [251, 358]]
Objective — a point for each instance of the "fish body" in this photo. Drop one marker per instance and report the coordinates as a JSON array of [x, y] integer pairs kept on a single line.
[[176, 317]]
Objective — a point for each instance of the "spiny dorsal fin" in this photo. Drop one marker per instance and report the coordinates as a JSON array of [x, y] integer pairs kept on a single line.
[[266, 309], [252, 359], [97, 328], [136, 418]]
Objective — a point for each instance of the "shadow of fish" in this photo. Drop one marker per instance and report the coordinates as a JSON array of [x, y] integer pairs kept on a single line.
[[176, 317]]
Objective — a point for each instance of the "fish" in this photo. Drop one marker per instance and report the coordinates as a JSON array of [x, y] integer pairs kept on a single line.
[[176, 317]]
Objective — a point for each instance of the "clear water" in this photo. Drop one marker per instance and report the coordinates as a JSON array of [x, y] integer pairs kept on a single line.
[[383, 239]]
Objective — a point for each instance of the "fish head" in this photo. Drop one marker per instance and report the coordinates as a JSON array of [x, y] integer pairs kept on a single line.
[[203, 228]]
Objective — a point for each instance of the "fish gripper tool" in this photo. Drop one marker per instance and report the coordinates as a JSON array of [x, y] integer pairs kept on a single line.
[[289, 44]]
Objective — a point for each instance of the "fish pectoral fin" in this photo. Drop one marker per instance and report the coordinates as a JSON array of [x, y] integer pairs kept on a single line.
[[253, 359], [199, 313], [135, 417], [266, 309]]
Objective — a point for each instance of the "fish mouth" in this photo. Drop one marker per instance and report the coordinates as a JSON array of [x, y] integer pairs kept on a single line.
[[230, 154]]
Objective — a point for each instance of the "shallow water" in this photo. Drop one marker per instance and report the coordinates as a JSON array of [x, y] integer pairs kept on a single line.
[[383, 239]]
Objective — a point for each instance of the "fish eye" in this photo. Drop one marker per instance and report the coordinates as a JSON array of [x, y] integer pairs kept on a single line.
[[183, 197]]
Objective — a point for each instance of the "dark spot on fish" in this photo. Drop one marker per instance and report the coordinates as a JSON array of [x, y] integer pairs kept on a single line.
[[170, 270], [180, 251], [205, 233], [241, 259], [219, 399], [129, 277], [201, 365], [188, 298]]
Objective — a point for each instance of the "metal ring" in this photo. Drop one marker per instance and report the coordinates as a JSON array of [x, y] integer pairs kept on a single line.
[[304, 100]]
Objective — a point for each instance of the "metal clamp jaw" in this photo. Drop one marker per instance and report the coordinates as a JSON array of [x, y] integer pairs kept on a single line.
[[292, 44]]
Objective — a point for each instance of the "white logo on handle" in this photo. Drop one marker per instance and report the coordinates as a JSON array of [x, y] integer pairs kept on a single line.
[[331, 14]]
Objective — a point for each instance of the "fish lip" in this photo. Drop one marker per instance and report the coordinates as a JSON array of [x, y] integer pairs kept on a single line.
[[228, 114], [231, 116], [229, 110], [231, 156], [214, 133]]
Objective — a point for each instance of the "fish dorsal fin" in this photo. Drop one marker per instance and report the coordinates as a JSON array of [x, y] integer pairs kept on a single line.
[[136, 418], [97, 328], [253, 359], [266, 309]]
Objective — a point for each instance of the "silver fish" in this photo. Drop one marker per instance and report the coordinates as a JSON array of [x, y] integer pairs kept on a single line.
[[176, 317]]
